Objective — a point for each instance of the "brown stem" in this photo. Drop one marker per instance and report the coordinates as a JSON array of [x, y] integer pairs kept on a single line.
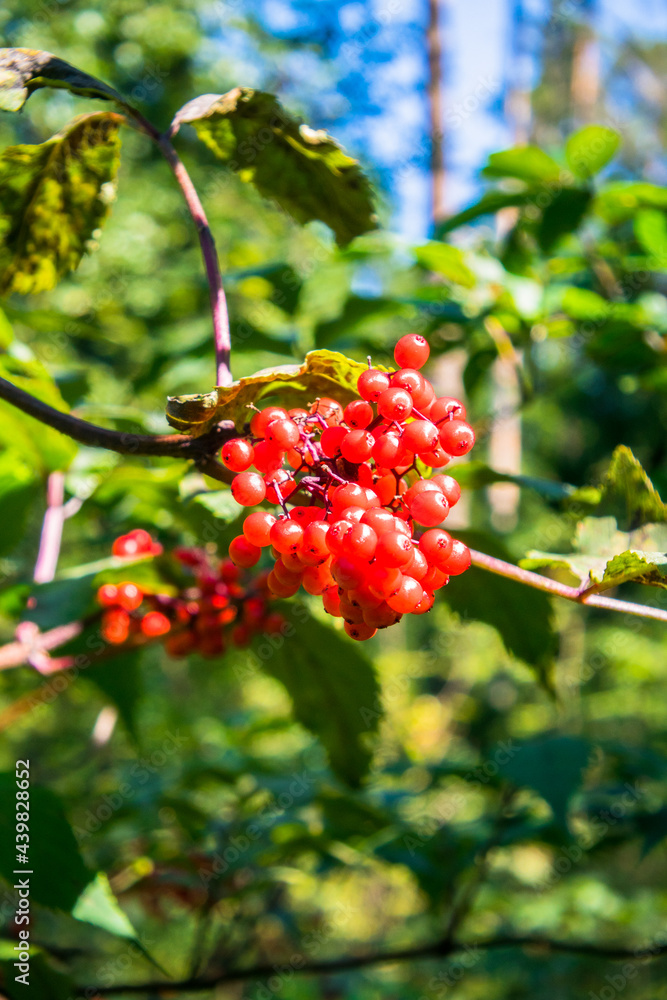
[[165, 445], [585, 596], [221, 332], [438, 949]]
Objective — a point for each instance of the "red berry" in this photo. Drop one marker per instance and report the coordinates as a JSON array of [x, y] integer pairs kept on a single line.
[[436, 545], [336, 536], [394, 549], [378, 519], [329, 409], [129, 596], [389, 450], [361, 542], [408, 596], [359, 631], [282, 433], [286, 535], [243, 553], [267, 457], [457, 437], [260, 421], [313, 548], [107, 595], [279, 485], [372, 383], [237, 454], [115, 626], [356, 446], [458, 560], [420, 436], [446, 406], [411, 351], [331, 439], [429, 508], [155, 623], [408, 379], [257, 527], [358, 414], [383, 580], [449, 487], [248, 489], [395, 404]]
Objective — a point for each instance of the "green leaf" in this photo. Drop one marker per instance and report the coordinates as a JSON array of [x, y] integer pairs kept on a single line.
[[24, 70], [361, 317], [59, 873], [98, 905], [44, 982], [475, 475], [220, 503], [562, 215], [628, 494], [41, 447], [650, 226], [446, 260], [604, 555], [620, 201], [323, 373], [522, 616], [582, 304], [333, 687], [526, 163], [552, 767], [60, 601], [590, 149], [489, 204], [305, 171], [19, 492], [53, 197]]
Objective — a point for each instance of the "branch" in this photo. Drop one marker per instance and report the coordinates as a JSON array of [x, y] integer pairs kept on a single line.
[[52, 529], [438, 949], [586, 596], [165, 445], [221, 333]]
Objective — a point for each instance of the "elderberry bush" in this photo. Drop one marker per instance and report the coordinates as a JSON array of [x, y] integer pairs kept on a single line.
[[358, 518]]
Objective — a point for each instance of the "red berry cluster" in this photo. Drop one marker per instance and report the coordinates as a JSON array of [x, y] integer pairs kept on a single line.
[[355, 495], [136, 543], [217, 609]]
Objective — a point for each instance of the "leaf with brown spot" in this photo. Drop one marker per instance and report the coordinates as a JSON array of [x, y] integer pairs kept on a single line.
[[53, 197]]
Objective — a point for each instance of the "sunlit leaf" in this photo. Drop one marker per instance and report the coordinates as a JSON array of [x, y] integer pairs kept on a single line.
[[526, 163], [489, 204], [24, 70], [305, 171], [323, 373], [590, 149], [604, 555], [98, 905], [445, 260], [53, 199]]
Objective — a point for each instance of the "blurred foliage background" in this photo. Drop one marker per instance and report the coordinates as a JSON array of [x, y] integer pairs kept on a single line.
[[512, 780]]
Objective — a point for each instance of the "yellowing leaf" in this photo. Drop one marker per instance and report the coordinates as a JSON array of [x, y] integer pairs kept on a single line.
[[25, 70], [305, 171], [323, 373], [53, 197]]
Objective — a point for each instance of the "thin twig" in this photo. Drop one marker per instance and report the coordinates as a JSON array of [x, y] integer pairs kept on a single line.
[[52, 529], [586, 596], [164, 445], [437, 949]]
